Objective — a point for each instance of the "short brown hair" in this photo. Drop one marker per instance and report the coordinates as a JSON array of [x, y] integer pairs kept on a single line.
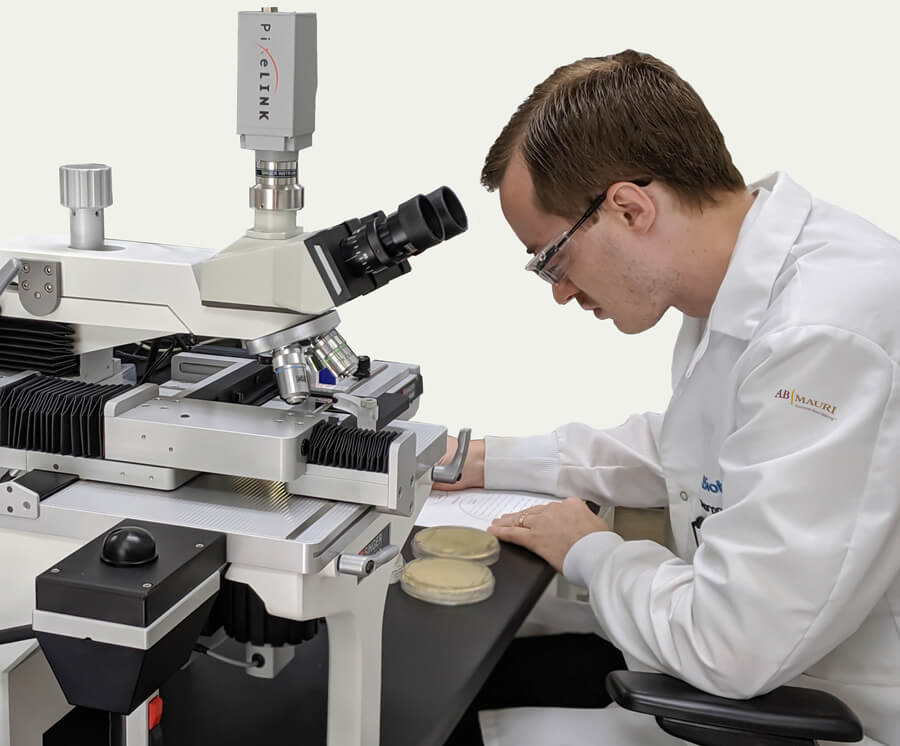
[[605, 119]]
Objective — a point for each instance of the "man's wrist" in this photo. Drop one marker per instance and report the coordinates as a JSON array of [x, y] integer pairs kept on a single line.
[[476, 459], [530, 464], [587, 554]]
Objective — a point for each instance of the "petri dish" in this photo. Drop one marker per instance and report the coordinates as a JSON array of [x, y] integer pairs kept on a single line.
[[456, 542], [397, 569], [447, 582]]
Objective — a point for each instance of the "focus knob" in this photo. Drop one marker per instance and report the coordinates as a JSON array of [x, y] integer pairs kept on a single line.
[[85, 186], [85, 189]]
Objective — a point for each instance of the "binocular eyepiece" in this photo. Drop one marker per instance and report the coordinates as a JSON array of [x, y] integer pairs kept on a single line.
[[418, 224]]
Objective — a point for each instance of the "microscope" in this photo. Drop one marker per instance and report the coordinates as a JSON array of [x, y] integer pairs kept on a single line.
[[258, 490]]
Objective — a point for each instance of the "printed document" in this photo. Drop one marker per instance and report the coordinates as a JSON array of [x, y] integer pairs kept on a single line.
[[475, 508]]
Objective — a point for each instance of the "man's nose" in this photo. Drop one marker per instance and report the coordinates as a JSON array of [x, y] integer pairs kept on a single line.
[[563, 291]]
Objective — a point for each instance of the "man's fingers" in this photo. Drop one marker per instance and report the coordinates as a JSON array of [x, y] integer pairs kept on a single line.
[[508, 519], [513, 534], [512, 519]]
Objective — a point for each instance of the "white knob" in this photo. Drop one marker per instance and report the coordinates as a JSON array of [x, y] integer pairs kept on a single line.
[[85, 186]]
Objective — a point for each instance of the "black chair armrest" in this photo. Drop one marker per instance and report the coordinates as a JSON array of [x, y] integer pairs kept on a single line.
[[785, 713]]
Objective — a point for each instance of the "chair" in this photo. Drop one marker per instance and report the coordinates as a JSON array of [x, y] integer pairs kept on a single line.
[[787, 716]]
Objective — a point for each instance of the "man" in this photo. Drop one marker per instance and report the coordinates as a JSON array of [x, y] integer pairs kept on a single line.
[[779, 453]]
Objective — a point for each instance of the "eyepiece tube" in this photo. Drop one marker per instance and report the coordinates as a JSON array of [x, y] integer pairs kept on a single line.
[[381, 241], [450, 211], [415, 224]]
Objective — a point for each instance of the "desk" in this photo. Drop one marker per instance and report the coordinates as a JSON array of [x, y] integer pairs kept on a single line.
[[435, 660]]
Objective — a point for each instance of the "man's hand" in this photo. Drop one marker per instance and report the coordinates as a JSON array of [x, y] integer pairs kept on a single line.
[[473, 468], [549, 531]]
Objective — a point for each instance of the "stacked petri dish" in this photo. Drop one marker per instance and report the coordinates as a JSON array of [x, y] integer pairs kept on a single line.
[[451, 566]]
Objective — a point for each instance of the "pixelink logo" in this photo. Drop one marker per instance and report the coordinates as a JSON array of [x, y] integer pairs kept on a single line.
[[268, 73], [816, 406]]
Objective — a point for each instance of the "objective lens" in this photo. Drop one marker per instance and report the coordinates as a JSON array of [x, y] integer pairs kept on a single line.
[[291, 373], [331, 351]]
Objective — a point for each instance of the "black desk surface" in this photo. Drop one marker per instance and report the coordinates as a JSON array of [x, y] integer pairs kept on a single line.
[[435, 659]]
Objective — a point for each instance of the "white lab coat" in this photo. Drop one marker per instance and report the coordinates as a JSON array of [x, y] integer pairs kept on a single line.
[[783, 435]]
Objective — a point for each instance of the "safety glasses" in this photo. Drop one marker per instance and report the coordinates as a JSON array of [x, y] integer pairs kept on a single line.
[[551, 262]]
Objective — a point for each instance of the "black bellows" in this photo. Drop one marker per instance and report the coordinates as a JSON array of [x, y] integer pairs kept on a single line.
[[348, 447], [55, 415], [45, 346]]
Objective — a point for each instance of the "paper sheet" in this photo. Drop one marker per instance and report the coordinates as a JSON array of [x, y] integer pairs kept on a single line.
[[475, 508]]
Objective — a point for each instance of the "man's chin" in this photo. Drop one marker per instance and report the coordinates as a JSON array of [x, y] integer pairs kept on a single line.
[[624, 327], [633, 326]]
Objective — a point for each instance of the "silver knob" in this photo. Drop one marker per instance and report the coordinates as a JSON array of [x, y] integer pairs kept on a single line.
[[85, 186], [85, 189], [362, 565]]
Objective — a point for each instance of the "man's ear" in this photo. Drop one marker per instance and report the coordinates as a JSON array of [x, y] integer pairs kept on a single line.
[[632, 204]]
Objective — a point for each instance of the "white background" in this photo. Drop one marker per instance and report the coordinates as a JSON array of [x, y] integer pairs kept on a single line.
[[411, 96]]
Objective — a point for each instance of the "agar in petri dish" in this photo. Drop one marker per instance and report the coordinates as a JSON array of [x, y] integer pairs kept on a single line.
[[456, 542], [448, 582]]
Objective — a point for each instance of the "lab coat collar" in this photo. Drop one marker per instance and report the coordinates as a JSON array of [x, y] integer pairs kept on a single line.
[[764, 242], [762, 247]]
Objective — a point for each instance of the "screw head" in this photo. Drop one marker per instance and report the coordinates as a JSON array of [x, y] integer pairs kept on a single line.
[[26, 285], [48, 270], [199, 546], [48, 287], [683, 495], [147, 585], [55, 571], [26, 268], [37, 295]]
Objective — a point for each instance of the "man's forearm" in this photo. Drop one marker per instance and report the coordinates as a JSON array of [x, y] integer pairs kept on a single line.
[[530, 464], [618, 466]]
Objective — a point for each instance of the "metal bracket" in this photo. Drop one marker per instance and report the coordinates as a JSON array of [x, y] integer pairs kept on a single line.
[[21, 497], [40, 286], [364, 408], [273, 659]]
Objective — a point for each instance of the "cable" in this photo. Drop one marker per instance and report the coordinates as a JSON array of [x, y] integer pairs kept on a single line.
[[256, 662], [151, 360], [211, 341], [16, 634], [154, 363]]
